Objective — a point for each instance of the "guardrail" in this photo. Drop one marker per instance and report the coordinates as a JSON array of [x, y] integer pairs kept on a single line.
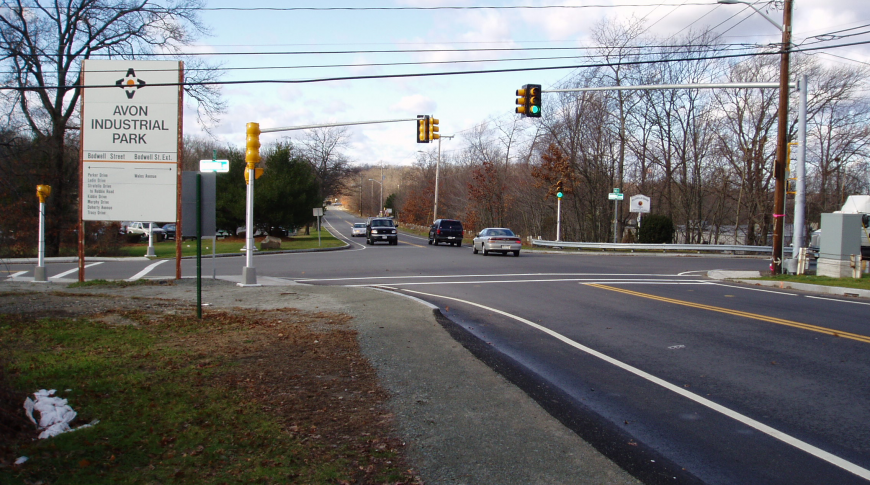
[[724, 248]]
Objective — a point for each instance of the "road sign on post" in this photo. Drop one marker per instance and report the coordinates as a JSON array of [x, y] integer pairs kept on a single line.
[[221, 166], [318, 212]]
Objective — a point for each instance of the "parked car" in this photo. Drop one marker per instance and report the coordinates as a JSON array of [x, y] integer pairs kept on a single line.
[[169, 231], [142, 230], [496, 240], [446, 230], [381, 229], [222, 233], [359, 229]]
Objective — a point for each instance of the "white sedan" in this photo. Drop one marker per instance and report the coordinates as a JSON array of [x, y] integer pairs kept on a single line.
[[359, 229], [496, 240]]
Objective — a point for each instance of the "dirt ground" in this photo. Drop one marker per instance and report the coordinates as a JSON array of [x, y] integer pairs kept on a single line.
[[305, 367]]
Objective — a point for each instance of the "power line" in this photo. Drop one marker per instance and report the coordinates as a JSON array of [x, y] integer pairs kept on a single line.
[[450, 73], [410, 63], [453, 7]]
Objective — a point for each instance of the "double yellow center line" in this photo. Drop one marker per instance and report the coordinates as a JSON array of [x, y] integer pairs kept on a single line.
[[754, 316]]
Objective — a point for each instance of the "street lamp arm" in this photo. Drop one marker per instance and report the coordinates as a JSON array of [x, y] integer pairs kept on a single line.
[[776, 24]]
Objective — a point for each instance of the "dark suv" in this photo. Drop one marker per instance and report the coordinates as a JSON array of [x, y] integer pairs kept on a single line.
[[446, 230], [381, 229]]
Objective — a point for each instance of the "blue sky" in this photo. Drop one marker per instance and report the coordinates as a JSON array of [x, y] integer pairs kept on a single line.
[[460, 102]]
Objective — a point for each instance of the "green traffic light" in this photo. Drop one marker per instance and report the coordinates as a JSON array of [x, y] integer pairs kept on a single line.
[[535, 109], [559, 194]]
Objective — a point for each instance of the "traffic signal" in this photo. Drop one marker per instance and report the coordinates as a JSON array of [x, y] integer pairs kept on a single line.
[[529, 100], [433, 129], [252, 152], [422, 128], [559, 193], [43, 191]]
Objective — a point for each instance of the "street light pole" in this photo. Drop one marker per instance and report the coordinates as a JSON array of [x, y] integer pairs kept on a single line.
[[437, 169]]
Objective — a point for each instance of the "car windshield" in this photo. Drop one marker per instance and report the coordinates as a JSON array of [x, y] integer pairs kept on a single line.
[[499, 232], [382, 223], [360, 224], [451, 225]]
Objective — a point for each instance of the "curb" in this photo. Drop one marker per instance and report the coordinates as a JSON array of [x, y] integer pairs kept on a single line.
[[827, 290]]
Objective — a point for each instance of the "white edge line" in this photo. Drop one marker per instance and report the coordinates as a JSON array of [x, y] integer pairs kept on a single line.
[[147, 270], [338, 234], [785, 438], [386, 289], [61, 275], [838, 300], [755, 289], [15, 275], [582, 281], [487, 275]]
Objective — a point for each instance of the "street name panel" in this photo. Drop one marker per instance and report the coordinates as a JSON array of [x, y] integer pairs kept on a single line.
[[130, 138]]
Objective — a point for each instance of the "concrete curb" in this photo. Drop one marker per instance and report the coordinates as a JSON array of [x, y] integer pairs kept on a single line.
[[827, 290], [742, 277]]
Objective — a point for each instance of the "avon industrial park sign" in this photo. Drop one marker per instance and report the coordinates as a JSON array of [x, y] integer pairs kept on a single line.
[[131, 127]]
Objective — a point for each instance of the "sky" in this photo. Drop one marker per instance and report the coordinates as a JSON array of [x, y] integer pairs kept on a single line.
[[460, 102]]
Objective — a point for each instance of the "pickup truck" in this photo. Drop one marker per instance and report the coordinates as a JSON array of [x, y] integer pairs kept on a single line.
[[141, 229]]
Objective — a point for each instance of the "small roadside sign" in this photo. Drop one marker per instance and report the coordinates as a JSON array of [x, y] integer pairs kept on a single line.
[[222, 166], [617, 196], [639, 204]]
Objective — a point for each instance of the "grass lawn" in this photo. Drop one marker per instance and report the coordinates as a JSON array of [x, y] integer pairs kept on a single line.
[[166, 249], [861, 284], [239, 397]]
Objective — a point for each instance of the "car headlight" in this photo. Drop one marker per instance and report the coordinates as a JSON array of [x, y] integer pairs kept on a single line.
[[374, 231], [393, 231]]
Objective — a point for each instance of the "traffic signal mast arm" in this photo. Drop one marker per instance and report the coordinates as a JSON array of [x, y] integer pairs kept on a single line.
[[327, 125]]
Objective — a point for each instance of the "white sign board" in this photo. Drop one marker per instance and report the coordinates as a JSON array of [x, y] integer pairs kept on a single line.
[[318, 211], [130, 137], [613, 196], [222, 166], [639, 203]]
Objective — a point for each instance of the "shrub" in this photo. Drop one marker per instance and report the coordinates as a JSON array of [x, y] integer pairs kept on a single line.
[[655, 229]]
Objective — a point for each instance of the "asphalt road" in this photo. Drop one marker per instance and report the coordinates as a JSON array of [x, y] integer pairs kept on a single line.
[[674, 376]]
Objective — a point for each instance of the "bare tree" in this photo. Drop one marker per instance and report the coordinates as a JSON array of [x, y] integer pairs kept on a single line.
[[323, 149], [42, 45]]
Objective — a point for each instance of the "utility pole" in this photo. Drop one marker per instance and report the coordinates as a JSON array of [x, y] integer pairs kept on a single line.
[[437, 170], [781, 142]]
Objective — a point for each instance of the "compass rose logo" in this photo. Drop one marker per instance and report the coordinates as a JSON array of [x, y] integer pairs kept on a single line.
[[130, 83]]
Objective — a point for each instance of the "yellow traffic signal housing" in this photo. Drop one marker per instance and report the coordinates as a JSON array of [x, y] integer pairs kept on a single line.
[[257, 173], [252, 145], [433, 129], [43, 191], [522, 101], [422, 128], [529, 100]]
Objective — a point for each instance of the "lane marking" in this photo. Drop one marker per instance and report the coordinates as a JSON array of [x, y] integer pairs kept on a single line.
[[493, 276], [342, 236], [13, 275], [583, 281], [74, 270], [755, 289], [772, 432], [147, 270], [753, 316], [838, 300]]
